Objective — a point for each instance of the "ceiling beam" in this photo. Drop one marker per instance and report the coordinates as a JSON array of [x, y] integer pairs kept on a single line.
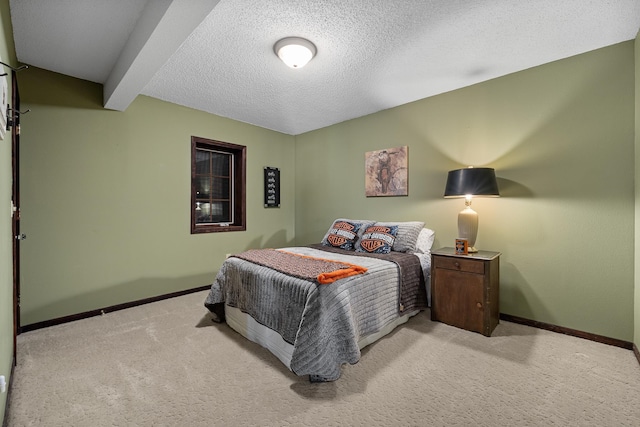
[[160, 31]]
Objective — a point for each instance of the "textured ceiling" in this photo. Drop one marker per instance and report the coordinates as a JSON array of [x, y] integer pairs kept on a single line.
[[217, 56]]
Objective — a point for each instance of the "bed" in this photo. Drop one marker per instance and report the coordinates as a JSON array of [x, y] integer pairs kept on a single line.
[[315, 307]]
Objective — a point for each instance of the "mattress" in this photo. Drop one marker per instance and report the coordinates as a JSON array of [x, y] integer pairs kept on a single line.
[[247, 326]]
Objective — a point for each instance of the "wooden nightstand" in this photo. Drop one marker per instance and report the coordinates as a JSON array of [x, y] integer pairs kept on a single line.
[[465, 289]]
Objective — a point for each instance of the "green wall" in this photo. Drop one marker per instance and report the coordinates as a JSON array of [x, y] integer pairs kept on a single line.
[[106, 197], [6, 251], [561, 138]]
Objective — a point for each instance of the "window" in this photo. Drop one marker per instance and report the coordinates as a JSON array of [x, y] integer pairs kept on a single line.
[[218, 175]]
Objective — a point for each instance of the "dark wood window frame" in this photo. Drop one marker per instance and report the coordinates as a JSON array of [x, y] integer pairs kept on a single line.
[[238, 188]]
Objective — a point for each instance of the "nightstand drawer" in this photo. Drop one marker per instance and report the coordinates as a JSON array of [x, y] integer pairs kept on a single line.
[[459, 264]]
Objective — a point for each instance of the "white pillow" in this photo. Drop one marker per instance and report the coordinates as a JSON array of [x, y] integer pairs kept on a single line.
[[407, 235], [425, 241]]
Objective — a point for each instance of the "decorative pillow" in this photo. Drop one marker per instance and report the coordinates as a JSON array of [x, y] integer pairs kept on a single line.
[[425, 241], [343, 233], [377, 239], [365, 223], [407, 235]]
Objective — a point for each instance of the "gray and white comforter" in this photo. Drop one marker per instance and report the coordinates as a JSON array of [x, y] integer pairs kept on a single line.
[[323, 322]]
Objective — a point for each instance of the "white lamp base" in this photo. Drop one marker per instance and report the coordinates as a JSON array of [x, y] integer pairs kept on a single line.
[[468, 227]]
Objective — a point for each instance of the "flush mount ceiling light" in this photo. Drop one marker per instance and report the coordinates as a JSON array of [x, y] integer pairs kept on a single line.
[[295, 51]]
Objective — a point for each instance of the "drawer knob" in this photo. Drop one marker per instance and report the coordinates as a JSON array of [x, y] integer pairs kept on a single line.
[[457, 264], [479, 305]]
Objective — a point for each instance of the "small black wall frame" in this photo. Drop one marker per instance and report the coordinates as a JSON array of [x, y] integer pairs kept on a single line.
[[271, 187]]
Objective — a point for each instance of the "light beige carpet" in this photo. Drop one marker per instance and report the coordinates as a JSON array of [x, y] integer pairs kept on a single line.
[[166, 364]]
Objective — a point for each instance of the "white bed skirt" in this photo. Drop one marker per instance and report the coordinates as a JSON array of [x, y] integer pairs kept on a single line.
[[246, 326]]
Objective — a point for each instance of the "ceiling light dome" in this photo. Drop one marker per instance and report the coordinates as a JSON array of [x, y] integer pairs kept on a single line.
[[295, 51]]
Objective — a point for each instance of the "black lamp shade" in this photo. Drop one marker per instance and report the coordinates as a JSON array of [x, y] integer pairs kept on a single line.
[[473, 181]]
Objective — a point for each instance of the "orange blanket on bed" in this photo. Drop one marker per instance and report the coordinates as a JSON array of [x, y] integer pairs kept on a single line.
[[323, 271]]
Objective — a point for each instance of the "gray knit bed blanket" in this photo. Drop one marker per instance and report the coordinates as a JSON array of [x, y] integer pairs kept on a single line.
[[323, 322]]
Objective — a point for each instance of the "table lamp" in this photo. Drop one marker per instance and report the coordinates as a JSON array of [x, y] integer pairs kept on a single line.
[[468, 183]]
